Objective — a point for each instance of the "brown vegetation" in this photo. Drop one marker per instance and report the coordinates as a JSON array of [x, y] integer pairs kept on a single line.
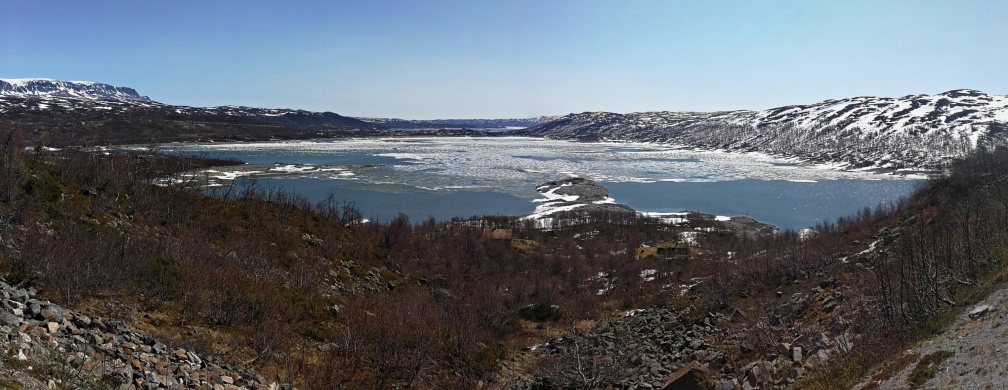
[[310, 295], [292, 287]]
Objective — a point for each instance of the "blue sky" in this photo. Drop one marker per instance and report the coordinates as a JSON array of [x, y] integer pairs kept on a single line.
[[494, 59]]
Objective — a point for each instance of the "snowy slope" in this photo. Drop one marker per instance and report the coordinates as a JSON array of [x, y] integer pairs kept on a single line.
[[45, 93], [48, 88], [912, 132], [958, 111], [19, 97], [918, 131]]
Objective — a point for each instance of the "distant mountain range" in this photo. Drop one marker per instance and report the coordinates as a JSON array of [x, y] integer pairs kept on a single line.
[[85, 113], [911, 132], [513, 123]]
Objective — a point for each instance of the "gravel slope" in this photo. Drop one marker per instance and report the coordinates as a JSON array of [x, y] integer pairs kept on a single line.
[[980, 346]]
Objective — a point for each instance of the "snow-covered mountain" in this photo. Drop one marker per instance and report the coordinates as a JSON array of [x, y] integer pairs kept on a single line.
[[67, 89], [70, 94], [80, 112], [912, 132], [82, 96], [917, 131]]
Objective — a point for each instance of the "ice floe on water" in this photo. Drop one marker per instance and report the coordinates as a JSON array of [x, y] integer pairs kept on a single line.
[[517, 164], [225, 175], [295, 168]]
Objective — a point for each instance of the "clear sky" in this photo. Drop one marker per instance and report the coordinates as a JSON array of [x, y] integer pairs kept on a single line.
[[428, 59]]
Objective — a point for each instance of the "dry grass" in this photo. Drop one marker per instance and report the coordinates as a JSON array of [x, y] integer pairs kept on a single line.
[[927, 368], [891, 369]]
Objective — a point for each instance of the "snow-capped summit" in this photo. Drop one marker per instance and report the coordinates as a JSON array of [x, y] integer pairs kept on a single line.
[[68, 89]]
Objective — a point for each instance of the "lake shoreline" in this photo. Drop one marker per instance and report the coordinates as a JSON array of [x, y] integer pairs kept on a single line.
[[908, 173], [449, 177]]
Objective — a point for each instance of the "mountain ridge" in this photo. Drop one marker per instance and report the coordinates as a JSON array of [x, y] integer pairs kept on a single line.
[[105, 114], [502, 123], [59, 91], [912, 132], [31, 87]]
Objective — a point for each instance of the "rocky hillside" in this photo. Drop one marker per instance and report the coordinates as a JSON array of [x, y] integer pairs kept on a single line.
[[869, 300], [48, 346], [971, 354], [313, 296], [916, 131], [640, 350], [653, 348]]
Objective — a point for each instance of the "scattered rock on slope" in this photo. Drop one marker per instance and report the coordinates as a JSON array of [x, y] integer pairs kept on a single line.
[[43, 345], [974, 351]]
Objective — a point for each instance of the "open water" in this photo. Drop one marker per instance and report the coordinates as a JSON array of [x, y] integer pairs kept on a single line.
[[443, 178]]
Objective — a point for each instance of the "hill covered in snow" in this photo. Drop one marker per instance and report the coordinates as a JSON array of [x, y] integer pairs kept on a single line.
[[82, 112], [26, 88], [917, 131]]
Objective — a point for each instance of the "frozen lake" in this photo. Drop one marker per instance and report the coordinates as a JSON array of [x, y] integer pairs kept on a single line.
[[461, 177]]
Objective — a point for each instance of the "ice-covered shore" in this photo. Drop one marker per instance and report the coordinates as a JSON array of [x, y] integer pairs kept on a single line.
[[584, 196], [224, 175], [574, 193]]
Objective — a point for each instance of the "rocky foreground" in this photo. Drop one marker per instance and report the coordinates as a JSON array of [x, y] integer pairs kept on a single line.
[[663, 347], [971, 354], [44, 346]]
